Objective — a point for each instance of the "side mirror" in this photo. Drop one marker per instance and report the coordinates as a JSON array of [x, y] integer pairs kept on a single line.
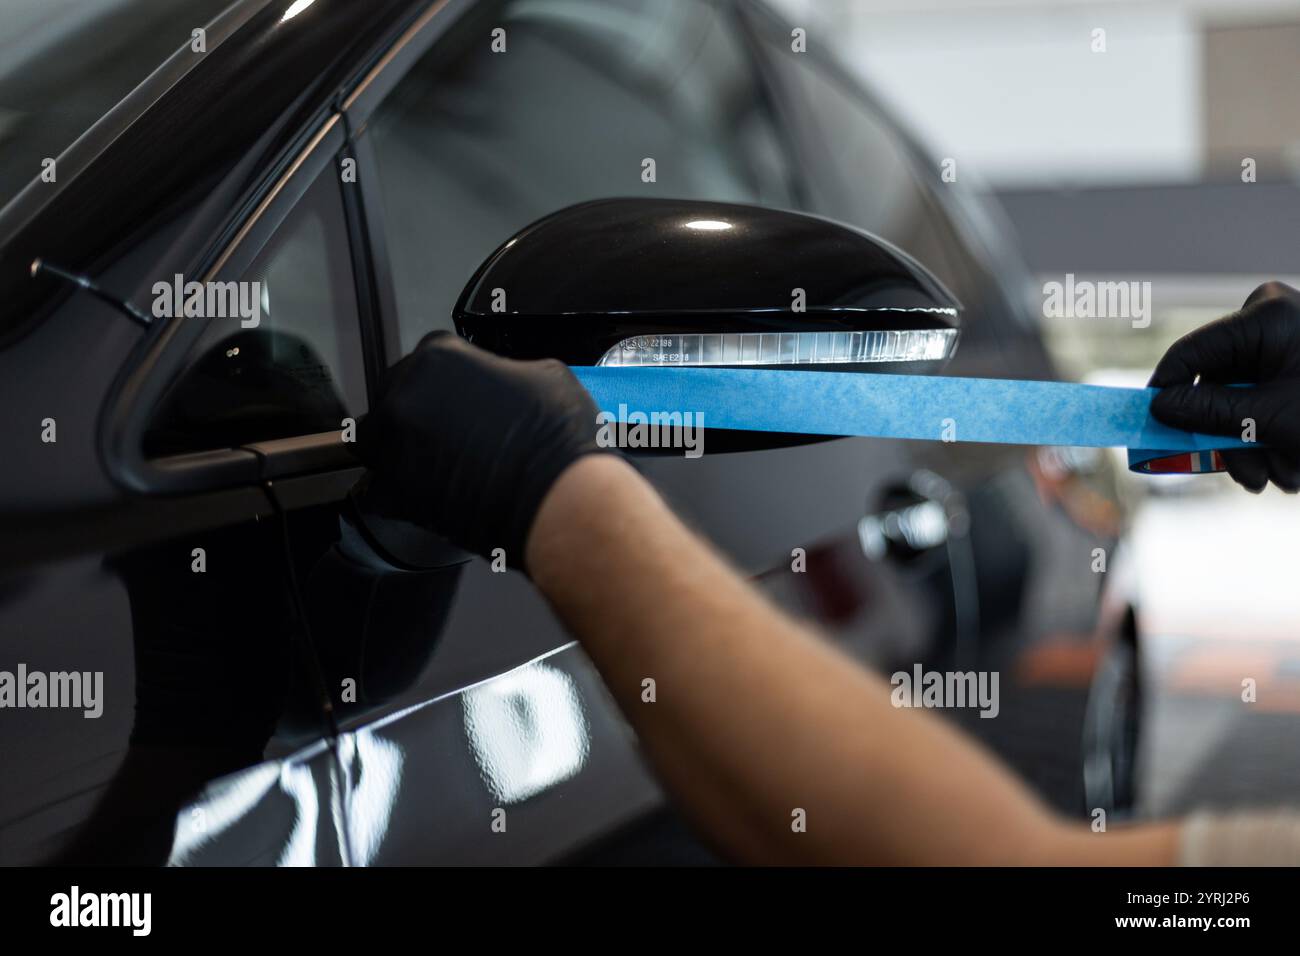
[[685, 283]]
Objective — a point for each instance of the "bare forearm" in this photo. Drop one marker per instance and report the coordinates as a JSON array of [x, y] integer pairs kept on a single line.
[[755, 717]]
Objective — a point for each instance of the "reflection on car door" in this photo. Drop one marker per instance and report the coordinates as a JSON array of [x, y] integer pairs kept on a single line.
[[466, 149]]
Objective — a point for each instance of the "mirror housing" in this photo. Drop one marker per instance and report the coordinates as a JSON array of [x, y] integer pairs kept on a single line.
[[688, 283]]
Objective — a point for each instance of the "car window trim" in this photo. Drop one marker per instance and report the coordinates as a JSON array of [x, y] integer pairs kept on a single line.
[[81, 153], [122, 437], [361, 100], [356, 107], [121, 440], [365, 222]]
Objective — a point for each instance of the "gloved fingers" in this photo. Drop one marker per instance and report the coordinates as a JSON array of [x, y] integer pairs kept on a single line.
[[440, 343], [365, 446], [1248, 468], [373, 446], [1249, 345], [1283, 469], [1224, 350], [1253, 469], [1208, 408], [380, 496], [430, 338], [1270, 290], [402, 368]]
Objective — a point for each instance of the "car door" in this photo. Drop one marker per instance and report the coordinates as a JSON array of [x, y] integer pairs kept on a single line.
[[189, 725], [284, 389], [472, 730]]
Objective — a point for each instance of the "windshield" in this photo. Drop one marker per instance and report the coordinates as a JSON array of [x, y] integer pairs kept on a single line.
[[65, 63]]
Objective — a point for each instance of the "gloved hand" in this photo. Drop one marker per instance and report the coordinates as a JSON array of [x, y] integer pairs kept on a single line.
[[1259, 344], [466, 444]]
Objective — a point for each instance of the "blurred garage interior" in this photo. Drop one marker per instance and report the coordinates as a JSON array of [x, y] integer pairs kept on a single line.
[[1109, 164]]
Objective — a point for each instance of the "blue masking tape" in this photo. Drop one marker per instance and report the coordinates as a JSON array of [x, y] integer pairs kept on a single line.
[[911, 406]]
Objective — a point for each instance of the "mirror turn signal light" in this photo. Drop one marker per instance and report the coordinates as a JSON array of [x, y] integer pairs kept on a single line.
[[783, 348]]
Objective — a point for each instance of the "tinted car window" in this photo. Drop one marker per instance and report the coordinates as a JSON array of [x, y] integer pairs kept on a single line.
[[300, 370], [473, 144], [863, 172]]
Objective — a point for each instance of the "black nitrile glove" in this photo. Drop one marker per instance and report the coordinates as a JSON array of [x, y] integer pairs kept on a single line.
[[1260, 344], [466, 444]]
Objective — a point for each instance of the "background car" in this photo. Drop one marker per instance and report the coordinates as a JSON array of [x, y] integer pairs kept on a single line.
[[276, 689]]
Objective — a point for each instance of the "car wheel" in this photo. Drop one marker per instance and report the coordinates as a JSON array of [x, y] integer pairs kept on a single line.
[[1111, 728]]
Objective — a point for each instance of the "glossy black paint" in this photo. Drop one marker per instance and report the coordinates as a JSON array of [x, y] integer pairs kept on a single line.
[[235, 113], [585, 277], [228, 733]]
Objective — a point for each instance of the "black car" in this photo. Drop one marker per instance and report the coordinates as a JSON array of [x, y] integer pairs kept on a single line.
[[239, 664]]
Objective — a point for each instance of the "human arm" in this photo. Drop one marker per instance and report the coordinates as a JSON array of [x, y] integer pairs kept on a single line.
[[757, 715]]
